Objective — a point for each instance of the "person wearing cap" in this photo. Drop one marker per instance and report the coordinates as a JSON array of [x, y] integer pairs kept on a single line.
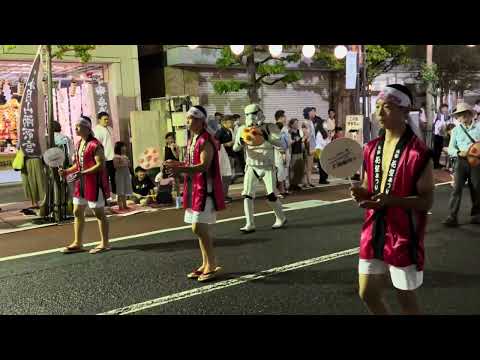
[[203, 189], [397, 192], [91, 187], [463, 136]]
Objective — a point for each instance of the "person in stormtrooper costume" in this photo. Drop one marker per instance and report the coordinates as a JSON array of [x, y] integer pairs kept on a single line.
[[260, 165]]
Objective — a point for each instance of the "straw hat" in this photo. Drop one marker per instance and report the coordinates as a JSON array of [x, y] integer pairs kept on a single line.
[[462, 107]]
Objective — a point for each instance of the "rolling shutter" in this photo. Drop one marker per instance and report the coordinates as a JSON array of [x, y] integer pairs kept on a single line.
[[312, 90]]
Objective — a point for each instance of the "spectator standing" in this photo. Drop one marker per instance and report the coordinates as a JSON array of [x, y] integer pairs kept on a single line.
[[297, 163], [322, 139], [463, 136], [66, 144], [281, 120], [104, 133], [123, 179], [439, 131], [281, 162], [330, 124], [308, 127]]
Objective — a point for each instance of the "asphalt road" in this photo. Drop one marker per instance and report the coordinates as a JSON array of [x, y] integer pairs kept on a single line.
[[154, 267]]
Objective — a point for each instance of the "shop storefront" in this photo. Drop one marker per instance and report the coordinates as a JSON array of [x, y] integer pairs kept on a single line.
[[103, 84]]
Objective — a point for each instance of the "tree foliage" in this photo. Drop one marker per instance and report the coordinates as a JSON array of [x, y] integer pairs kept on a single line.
[[263, 71]]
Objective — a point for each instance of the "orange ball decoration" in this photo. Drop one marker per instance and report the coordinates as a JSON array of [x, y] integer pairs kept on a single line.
[[253, 136], [473, 155]]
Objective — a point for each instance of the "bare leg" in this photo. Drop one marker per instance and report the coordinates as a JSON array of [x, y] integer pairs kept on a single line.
[[102, 226], [371, 288], [79, 213], [202, 249], [408, 302], [206, 245]]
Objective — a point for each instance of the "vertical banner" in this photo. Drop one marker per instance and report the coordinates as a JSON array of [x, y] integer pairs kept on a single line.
[[101, 98], [351, 70], [32, 113], [354, 128]]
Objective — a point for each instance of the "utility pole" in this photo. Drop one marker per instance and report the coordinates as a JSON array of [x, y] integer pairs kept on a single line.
[[429, 110], [54, 189]]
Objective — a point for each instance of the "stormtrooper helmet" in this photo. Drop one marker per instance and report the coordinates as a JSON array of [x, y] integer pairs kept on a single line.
[[254, 115]]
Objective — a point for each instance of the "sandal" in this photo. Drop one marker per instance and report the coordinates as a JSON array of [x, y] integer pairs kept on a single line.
[[98, 250], [73, 249], [195, 274], [210, 275]]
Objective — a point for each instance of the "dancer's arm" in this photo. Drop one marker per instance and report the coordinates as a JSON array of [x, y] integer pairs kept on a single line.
[[206, 158], [423, 201], [238, 144]]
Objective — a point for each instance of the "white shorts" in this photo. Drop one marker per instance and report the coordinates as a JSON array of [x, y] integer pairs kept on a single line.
[[207, 216], [100, 203], [403, 278]]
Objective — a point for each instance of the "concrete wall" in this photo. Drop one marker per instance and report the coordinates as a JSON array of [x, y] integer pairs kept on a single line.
[[123, 73]]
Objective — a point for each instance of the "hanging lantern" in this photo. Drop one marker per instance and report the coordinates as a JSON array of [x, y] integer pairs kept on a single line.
[[340, 51], [308, 51], [237, 49], [73, 88], [20, 87], [275, 50]]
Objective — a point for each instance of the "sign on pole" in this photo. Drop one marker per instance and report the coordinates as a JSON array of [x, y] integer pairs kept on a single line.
[[354, 128], [351, 71]]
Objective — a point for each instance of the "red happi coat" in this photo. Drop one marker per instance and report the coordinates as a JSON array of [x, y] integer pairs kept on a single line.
[[393, 234], [89, 185], [199, 190]]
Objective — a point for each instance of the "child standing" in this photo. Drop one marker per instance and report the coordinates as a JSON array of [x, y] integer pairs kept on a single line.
[[123, 178]]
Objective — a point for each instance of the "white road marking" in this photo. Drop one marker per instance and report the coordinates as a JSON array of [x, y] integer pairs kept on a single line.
[[228, 283], [128, 237]]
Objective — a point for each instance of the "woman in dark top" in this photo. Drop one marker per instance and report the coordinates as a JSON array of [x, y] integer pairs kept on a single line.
[[297, 166], [171, 153]]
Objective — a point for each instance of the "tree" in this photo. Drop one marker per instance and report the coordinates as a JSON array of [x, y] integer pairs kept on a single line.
[[455, 69]]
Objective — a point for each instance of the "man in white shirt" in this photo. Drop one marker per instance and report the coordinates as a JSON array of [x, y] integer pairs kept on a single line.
[[104, 134], [331, 123], [439, 131]]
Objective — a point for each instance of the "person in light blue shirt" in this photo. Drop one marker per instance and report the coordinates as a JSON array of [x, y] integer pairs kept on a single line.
[[463, 136]]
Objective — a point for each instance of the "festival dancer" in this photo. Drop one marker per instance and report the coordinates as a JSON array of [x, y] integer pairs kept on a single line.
[[397, 192], [260, 164], [203, 190], [91, 187]]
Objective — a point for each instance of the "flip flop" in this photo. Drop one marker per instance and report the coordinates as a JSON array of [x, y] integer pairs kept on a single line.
[[73, 250], [195, 274], [99, 250], [209, 276]]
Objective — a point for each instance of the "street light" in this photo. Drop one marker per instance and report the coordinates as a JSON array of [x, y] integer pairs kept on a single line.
[[308, 51], [471, 45], [192, 46], [340, 51], [237, 49], [275, 50]]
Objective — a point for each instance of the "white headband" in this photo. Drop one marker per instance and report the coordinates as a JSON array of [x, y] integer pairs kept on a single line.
[[395, 96], [196, 113]]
